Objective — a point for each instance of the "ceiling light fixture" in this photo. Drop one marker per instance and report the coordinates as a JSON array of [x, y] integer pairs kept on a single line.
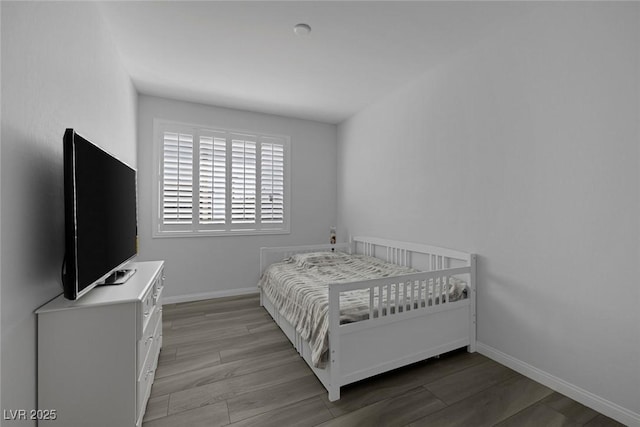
[[302, 30]]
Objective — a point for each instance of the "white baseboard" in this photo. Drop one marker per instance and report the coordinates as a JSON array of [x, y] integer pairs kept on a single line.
[[209, 295], [578, 394]]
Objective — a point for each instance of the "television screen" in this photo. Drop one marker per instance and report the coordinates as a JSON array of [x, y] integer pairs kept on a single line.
[[100, 214]]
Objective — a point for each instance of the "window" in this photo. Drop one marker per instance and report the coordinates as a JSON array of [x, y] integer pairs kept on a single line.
[[219, 182]]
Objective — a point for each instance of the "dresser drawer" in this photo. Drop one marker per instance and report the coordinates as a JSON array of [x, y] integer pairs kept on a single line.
[[147, 307], [152, 299], [145, 378], [149, 336], [158, 287]]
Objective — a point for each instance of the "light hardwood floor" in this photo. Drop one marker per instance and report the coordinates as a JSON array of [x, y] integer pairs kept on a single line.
[[225, 362]]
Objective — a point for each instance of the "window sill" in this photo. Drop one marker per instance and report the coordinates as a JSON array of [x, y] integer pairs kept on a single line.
[[210, 233]]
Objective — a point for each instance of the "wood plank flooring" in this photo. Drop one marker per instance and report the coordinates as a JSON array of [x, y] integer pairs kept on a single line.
[[225, 362]]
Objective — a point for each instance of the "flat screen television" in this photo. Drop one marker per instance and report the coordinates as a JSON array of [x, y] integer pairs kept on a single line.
[[100, 215]]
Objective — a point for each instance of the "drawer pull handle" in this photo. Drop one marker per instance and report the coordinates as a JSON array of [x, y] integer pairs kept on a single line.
[[146, 314], [149, 372]]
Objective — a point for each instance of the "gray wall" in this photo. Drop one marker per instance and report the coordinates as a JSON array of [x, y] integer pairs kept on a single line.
[[59, 69], [523, 149], [197, 267]]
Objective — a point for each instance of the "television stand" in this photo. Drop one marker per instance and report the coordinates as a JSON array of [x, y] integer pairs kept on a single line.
[[118, 277], [97, 355]]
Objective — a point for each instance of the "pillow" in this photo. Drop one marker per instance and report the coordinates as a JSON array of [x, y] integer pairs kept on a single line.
[[317, 259]]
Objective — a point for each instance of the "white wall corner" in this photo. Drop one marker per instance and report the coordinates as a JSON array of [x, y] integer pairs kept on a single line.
[[576, 393]]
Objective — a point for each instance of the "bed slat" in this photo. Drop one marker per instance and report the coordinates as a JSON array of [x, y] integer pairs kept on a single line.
[[371, 306], [388, 300]]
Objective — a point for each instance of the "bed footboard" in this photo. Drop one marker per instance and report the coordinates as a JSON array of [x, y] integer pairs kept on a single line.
[[404, 326]]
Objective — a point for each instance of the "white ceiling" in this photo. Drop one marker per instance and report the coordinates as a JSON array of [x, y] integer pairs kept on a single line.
[[245, 55]]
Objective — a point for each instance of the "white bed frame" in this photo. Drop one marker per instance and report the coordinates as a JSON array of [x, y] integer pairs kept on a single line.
[[381, 343]]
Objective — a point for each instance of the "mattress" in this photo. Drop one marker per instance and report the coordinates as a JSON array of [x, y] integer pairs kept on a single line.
[[298, 288]]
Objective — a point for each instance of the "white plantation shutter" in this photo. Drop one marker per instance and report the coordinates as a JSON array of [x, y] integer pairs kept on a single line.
[[272, 181], [243, 181], [212, 180], [217, 182], [177, 188]]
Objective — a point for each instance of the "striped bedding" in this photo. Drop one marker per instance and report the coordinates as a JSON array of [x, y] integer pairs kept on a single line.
[[298, 288]]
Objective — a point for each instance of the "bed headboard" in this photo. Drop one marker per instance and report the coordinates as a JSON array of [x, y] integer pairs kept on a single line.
[[416, 255], [419, 256]]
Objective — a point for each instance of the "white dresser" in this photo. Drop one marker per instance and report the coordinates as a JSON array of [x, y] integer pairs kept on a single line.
[[97, 355]]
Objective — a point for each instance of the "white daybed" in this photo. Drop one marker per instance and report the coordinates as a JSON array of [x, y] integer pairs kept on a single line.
[[387, 338]]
